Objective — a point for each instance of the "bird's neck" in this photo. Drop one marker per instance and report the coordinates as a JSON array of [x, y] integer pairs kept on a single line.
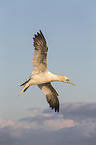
[[61, 78], [55, 77]]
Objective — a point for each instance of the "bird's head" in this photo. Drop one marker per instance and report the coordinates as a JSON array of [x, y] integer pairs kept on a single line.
[[66, 80]]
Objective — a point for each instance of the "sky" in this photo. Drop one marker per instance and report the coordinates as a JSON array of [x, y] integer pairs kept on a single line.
[[70, 29]]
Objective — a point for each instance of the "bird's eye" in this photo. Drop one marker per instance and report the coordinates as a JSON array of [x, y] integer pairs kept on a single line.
[[67, 80]]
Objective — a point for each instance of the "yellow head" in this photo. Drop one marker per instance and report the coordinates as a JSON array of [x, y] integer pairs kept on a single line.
[[66, 80]]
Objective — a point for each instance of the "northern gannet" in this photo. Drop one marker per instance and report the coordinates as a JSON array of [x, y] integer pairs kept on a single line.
[[41, 75]]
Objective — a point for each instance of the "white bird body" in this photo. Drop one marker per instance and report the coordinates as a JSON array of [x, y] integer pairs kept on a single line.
[[42, 78], [41, 75], [45, 77]]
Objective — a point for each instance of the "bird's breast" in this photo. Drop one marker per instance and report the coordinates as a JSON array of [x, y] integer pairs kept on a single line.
[[42, 78]]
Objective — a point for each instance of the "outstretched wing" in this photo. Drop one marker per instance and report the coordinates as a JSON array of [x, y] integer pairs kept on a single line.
[[51, 95], [40, 54]]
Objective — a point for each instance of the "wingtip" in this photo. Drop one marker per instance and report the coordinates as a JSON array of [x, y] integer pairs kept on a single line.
[[55, 109], [36, 35], [40, 31]]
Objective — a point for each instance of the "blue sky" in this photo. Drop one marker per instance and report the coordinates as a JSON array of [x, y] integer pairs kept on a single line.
[[70, 29]]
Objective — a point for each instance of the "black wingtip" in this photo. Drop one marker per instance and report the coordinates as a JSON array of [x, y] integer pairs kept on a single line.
[[36, 35], [40, 31], [56, 109]]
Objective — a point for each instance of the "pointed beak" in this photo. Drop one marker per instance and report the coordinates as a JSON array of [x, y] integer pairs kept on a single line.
[[71, 83]]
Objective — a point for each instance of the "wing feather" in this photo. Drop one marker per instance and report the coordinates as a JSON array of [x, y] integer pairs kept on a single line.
[[51, 95], [40, 54]]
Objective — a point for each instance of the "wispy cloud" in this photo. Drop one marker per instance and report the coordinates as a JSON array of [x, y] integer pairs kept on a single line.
[[79, 110], [74, 125], [4, 123]]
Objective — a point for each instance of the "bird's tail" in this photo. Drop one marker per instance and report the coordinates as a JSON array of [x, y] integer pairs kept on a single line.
[[26, 86]]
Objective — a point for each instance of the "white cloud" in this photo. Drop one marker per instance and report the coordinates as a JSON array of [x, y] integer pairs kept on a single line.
[[72, 126], [58, 124], [4, 123]]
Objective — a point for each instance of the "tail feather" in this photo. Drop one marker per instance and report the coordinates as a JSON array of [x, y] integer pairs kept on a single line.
[[26, 89], [26, 86], [22, 91], [25, 82]]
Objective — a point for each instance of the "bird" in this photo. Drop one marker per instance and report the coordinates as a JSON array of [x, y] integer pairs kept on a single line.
[[41, 76]]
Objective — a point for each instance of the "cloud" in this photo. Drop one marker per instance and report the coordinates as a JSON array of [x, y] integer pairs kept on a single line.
[[4, 123], [47, 121], [59, 124], [74, 125], [79, 110]]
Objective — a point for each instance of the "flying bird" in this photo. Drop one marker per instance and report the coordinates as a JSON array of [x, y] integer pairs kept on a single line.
[[41, 75]]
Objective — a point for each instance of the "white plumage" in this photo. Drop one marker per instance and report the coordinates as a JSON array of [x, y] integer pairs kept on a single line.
[[41, 76]]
